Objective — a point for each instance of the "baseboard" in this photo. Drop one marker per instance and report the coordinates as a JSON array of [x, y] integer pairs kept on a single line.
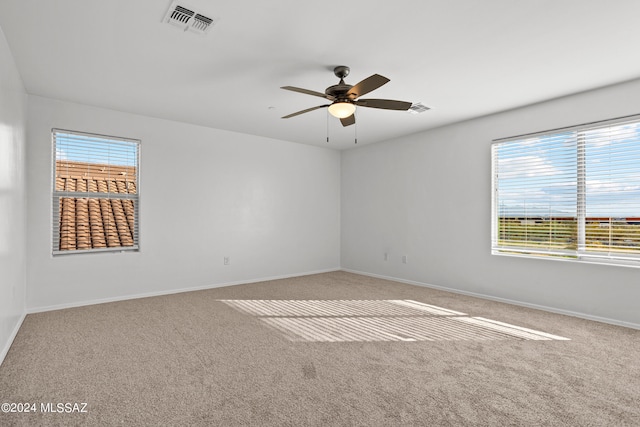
[[31, 310], [12, 337], [504, 300]]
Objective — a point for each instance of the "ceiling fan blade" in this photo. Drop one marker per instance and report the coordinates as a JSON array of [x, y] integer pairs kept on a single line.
[[308, 92], [367, 85], [348, 121], [385, 104], [297, 113]]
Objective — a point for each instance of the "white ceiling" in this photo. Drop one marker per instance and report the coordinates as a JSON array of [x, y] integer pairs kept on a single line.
[[464, 58]]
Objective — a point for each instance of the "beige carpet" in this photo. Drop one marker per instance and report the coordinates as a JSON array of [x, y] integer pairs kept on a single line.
[[325, 350]]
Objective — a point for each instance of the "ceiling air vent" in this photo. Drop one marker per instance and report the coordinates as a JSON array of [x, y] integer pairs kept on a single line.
[[417, 108], [201, 23], [180, 16], [187, 19]]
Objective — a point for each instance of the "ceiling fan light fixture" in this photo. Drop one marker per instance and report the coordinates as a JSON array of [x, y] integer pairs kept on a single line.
[[342, 110]]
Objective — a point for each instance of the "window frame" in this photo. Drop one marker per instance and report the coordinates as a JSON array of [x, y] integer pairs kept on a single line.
[[57, 195], [581, 253]]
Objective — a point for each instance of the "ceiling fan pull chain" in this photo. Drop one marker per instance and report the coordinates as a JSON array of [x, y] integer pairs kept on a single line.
[[327, 125], [355, 129]]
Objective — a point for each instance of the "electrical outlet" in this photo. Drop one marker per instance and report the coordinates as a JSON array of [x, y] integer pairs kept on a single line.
[[404, 259], [386, 256], [226, 260]]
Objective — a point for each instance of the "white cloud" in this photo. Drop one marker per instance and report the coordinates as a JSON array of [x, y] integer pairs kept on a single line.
[[61, 154], [526, 167]]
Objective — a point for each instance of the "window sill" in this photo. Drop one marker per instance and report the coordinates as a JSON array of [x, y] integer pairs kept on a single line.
[[129, 249], [578, 260]]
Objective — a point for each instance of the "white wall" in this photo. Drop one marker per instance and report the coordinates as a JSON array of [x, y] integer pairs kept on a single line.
[[429, 196], [13, 104], [273, 207]]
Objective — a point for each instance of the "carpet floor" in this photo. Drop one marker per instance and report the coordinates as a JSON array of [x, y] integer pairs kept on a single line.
[[333, 349]]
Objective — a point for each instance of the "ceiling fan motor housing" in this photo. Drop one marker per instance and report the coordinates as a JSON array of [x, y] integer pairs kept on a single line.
[[339, 91]]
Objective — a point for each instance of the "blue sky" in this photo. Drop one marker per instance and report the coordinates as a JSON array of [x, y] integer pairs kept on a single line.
[[538, 175]]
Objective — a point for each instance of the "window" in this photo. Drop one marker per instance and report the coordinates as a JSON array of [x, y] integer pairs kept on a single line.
[[572, 193], [95, 193]]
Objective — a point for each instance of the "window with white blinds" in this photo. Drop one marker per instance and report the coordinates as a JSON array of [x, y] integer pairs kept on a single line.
[[572, 193], [95, 193]]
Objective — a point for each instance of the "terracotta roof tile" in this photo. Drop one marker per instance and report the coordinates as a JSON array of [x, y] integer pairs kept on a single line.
[[95, 222]]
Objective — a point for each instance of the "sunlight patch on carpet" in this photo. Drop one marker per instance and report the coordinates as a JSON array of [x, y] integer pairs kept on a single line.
[[378, 320]]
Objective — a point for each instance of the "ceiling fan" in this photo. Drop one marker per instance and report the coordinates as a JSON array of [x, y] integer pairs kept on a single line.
[[345, 97]]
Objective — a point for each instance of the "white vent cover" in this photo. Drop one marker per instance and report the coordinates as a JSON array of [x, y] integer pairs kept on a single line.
[[417, 108], [187, 19]]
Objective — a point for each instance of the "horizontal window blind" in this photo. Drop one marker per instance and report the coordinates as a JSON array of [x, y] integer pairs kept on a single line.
[[95, 193], [612, 190], [572, 193]]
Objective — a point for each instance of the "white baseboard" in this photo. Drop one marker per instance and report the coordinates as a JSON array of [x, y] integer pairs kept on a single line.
[[170, 291], [505, 300], [7, 345]]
